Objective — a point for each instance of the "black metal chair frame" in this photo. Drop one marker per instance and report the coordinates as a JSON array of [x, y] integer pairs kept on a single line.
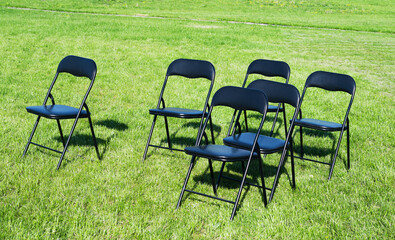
[[79, 67], [187, 68], [268, 68], [332, 82], [282, 94], [239, 99]]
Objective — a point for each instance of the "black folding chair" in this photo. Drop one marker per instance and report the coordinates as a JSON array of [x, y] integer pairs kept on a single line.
[[272, 69], [79, 67], [331, 82], [277, 93], [187, 68], [239, 99]]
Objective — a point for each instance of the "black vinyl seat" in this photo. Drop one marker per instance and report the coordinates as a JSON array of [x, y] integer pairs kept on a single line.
[[268, 69], [239, 99], [266, 144], [56, 111], [319, 124], [79, 67], [177, 112], [331, 82], [189, 69], [278, 93]]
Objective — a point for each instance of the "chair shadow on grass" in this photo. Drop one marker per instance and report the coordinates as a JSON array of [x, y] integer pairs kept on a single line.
[[85, 140], [318, 152], [234, 170]]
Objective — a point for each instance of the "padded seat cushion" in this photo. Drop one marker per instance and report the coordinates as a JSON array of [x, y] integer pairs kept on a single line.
[[177, 112], [245, 140], [271, 108], [318, 124], [219, 152], [56, 111]]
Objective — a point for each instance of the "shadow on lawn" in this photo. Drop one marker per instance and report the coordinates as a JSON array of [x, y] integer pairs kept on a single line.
[[234, 170], [86, 140]]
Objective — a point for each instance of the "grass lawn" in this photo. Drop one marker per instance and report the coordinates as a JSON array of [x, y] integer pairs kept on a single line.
[[119, 197]]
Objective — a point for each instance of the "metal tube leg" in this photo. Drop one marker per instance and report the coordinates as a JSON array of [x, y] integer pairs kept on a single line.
[[301, 141], [245, 120], [31, 136], [240, 190], [292, 164], [264, 197], [167, 133], [94, 138], [348, 146], [282, 160], [336, 152], [186, 181], [220, 174], [67, 143], [212, 176], [149, 138], [212, 130], [61, 133]]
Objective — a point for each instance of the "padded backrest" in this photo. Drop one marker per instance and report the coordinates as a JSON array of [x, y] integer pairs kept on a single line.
[[277, 92], [270, 68], [331, 81], [191, 69], [241, 99], [78, 66]]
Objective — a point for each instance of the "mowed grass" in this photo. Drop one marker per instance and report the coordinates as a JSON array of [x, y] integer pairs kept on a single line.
[[119, 197]]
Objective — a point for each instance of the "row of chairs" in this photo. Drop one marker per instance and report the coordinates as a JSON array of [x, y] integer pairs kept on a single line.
[[239, 146], [244, 146]]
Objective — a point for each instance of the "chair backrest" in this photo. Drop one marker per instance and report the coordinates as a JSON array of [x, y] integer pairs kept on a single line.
[[78, 66], [268, 68], [241, 99], [277, 92], [191, 68], [331, 81]]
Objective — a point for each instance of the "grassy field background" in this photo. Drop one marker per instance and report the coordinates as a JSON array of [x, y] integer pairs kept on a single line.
[[119, 197]]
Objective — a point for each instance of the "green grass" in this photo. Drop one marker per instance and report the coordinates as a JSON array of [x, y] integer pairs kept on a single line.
[[376, 16], [119, 197]]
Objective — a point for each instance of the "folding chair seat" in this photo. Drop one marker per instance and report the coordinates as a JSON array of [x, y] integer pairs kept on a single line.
[[238, 99], [188, 69], [278, 93], [331, 82], [79, 67], [271, 69]]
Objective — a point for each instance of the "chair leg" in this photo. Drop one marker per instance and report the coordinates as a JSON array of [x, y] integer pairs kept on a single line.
[[240, 190], [31, 136], [61, 133], [67, 144], [275, 120], [348, 146], [301, 141], [210, 163], [264, 197], [292, 165], [186, 181], [334, 157], [94, 137], [245, 120], [149, 138], [212, 130], [167, 133], [281, 163], [220, 175]]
